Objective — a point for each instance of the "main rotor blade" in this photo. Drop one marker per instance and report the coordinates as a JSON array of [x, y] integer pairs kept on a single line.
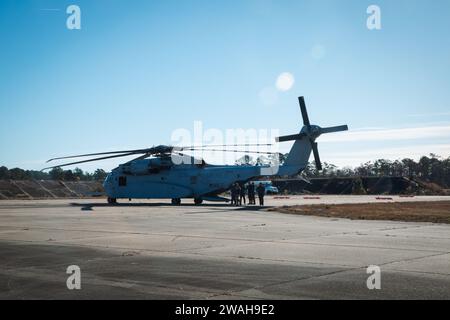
[[305, 117], [316, 155], [240, 151], [99, 154], [90, 160], [149, 150], [334, 129], [227, 145]]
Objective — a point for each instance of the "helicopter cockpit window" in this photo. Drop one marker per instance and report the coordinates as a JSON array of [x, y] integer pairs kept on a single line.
[[122, 181]]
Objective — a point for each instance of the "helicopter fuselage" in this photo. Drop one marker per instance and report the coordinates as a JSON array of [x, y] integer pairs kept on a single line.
[[140, 180]]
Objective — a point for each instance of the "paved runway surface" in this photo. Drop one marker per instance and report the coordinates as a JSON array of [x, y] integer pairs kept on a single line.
[[153, 250]]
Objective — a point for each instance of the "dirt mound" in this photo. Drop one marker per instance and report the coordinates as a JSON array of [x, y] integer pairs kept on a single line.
[[43, 189], [358, 185]]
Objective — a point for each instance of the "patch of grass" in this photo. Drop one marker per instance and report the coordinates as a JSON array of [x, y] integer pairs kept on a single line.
[[436, 212]]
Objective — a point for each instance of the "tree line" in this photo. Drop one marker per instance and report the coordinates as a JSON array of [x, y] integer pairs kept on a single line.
[[55, 174], [431, 168]]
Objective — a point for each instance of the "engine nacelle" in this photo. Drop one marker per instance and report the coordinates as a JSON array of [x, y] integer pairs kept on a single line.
[[140, 167]]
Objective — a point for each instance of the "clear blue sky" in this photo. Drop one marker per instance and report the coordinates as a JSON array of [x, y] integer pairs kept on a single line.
[[138, 70]]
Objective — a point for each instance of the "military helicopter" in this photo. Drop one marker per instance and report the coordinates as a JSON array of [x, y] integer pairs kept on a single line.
[[165, 172]]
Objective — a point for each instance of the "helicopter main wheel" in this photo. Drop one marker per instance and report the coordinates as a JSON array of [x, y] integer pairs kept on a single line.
[[112, 200], [176, 201], [198, 201]]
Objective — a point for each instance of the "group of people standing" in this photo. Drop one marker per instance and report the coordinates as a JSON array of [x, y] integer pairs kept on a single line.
[[238, 192]]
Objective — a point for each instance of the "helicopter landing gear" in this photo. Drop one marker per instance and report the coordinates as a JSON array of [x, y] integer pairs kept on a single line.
[[176, 201], [198, 201], [112, 200]]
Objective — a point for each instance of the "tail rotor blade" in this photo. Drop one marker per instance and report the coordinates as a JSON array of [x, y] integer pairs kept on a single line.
[[290, 137], [334, 129], [316, 155], [305, 117]]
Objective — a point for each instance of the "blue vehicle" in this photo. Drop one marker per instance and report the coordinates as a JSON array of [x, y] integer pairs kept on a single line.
[[165, 172], [270, 189]]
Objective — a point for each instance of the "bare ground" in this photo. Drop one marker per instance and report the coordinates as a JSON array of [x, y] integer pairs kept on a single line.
[[436, 212]]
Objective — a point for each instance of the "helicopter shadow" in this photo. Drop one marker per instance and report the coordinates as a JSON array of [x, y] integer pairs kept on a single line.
[[91, 206]]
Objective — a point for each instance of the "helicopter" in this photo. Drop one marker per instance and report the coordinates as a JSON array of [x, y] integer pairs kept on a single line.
[[165, 172]]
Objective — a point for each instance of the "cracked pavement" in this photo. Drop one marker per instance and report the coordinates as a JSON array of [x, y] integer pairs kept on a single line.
[[151, 250]]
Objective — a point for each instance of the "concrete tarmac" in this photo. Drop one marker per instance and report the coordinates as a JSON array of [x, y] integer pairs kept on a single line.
[[152, 250]]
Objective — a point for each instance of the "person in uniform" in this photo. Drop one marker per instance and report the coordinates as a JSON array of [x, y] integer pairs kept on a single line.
[[237, 189], [261, 192], [242, 194], [251, 193], [233, 194]]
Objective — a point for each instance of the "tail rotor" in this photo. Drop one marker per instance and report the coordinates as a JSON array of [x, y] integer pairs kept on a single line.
[[311, 132]]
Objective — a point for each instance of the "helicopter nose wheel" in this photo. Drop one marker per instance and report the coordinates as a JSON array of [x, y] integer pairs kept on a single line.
[[176, 201], [112, 200], [198, 201]]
